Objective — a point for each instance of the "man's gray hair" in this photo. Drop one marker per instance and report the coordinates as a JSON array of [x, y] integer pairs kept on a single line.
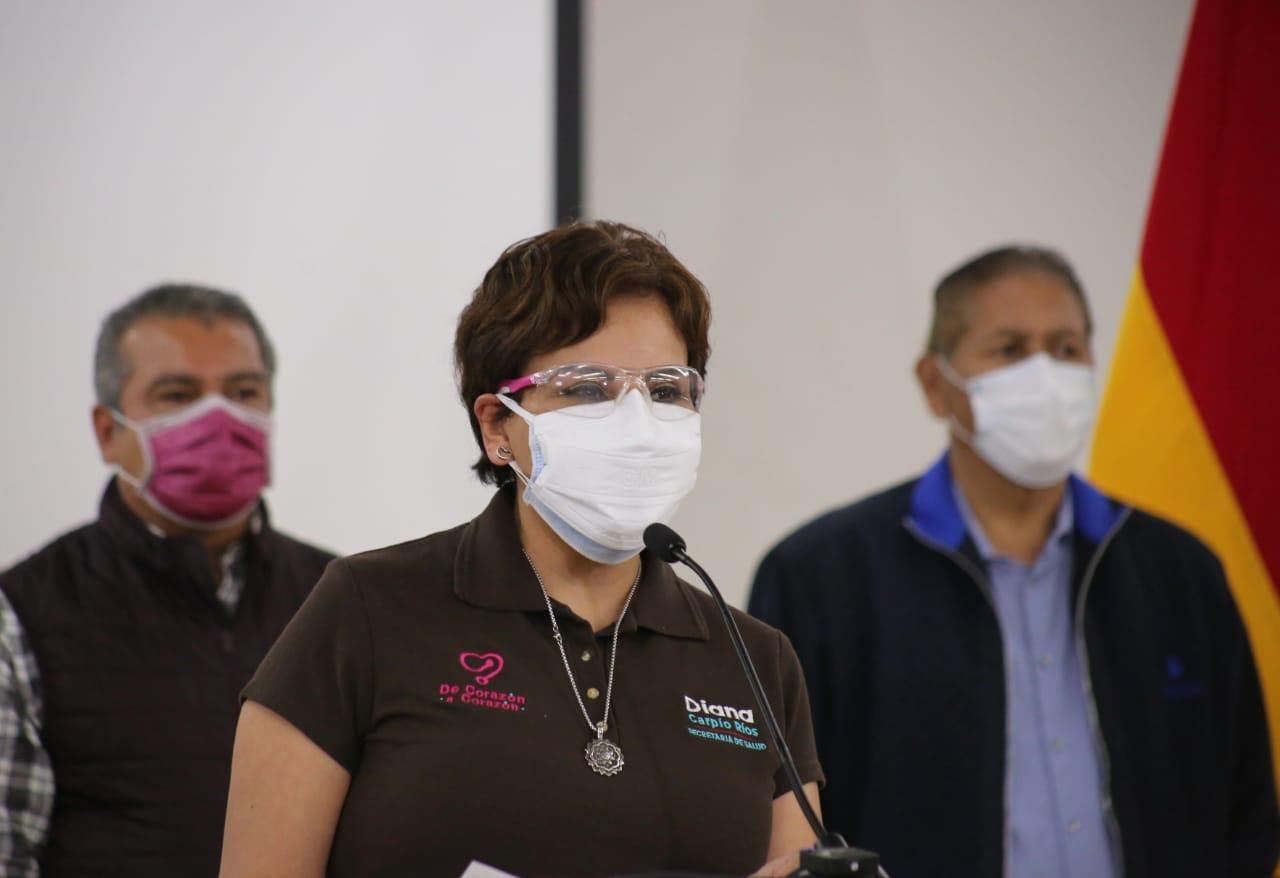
[[110, 367], [954, 290]]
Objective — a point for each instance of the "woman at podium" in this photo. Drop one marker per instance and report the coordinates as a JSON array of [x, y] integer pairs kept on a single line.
[[530, 689]]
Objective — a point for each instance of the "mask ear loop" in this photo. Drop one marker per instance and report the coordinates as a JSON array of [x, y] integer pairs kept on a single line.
[[505, 455], [956, 380], [514, 406], [508, 457], [148, 461]]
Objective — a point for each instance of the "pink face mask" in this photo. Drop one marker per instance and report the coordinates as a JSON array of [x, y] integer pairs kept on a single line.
[[204, 465]]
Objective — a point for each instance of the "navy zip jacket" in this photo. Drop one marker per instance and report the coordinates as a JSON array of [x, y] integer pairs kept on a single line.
[[887, 604]]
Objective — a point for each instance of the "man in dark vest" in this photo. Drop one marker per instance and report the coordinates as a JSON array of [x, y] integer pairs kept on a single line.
[[124, 644]]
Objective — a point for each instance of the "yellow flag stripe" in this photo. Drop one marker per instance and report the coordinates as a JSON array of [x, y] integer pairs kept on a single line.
[[1152, 450]]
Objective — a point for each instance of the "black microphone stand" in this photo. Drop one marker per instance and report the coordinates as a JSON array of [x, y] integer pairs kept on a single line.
[[832, 855]]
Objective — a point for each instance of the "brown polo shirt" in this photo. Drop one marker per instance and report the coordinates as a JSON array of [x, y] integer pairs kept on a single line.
[[429, 672]]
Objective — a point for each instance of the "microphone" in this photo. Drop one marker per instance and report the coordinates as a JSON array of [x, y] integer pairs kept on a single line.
[[832, 854]]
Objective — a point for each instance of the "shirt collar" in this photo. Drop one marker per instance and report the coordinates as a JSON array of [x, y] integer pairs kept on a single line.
[[1062, 526], [935, 514], [144, 541], [255, 528], [490, 571]]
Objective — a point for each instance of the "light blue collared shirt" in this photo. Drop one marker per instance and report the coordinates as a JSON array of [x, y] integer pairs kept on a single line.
[[1057, 827]]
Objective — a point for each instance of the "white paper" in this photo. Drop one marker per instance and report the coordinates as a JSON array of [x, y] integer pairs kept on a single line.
[[478, 869]]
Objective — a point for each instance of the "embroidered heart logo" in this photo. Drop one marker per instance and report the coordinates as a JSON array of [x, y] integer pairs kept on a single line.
[[485, 666]]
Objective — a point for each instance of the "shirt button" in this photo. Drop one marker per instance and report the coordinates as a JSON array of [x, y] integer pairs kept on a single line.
[[593, 693], [586, 655], [1073, 827], [1045, 661], [1057, 744]]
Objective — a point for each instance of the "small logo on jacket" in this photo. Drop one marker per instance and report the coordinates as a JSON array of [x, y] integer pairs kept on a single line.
[[720, 722], [1178, 685], [485, 666]]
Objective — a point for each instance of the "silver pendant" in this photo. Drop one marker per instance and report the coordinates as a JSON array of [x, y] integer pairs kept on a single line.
[[604, 757]]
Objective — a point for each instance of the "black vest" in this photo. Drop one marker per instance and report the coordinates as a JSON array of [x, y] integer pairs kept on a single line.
[[141, 669]]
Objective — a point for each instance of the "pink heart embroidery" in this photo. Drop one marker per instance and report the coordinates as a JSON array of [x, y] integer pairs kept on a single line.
[[485, 666]]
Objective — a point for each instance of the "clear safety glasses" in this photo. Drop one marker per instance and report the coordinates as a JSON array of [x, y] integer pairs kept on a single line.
[[593, 389]]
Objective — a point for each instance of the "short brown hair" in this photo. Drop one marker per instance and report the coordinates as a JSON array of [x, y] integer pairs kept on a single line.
[[954, 290], [550, 291]]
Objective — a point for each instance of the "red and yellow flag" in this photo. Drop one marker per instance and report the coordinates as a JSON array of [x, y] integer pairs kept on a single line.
[[1190, 423]]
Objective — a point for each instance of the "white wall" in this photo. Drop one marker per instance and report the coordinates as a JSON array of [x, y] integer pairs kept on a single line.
[[820, 165], [352, 169]]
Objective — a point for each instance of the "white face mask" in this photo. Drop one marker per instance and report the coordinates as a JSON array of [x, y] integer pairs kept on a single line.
[[598, 482], [1031, 419]]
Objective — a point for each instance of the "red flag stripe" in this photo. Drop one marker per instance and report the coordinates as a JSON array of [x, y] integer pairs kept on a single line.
[[1211, 255]]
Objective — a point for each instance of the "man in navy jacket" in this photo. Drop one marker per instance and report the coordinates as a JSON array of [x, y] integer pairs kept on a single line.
[[1010, 673]]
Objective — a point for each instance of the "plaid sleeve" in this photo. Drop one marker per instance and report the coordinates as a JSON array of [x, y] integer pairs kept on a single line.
[[26, 777]]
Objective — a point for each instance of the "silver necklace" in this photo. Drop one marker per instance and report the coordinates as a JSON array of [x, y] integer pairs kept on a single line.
[[603, 756]]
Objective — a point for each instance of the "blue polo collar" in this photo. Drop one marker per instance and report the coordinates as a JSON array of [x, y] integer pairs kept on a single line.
[[934, 511]]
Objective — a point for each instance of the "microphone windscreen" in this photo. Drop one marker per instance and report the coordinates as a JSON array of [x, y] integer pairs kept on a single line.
[[663, 542]]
